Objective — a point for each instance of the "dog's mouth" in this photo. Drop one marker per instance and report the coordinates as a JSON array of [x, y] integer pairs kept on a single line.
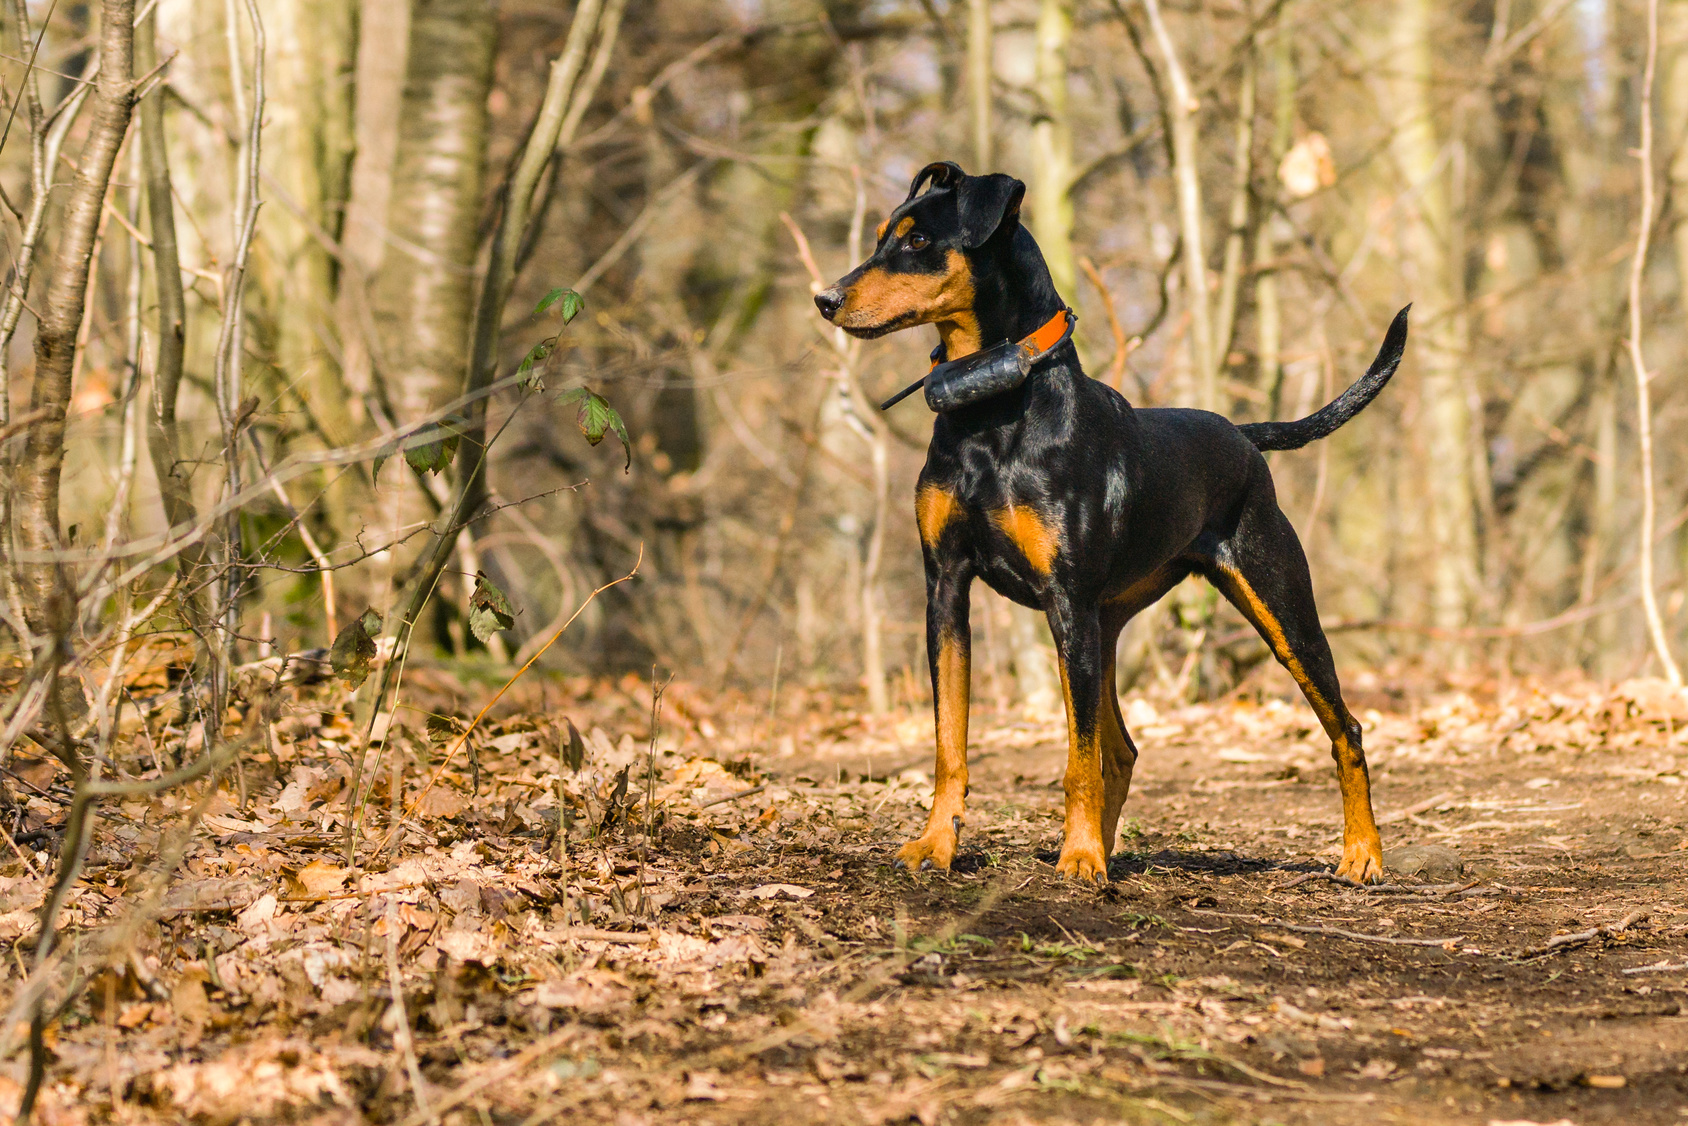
[[874, 330]]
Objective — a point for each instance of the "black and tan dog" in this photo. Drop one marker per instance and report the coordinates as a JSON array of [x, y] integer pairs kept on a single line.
[[1061, 496]]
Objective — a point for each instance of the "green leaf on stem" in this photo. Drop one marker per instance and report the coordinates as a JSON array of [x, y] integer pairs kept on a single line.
[[596, 418], [433, 455], [572, 303], [489, 610]]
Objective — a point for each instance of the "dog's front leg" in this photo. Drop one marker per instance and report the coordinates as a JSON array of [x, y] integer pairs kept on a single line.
[[1077, 630], [949, 653]]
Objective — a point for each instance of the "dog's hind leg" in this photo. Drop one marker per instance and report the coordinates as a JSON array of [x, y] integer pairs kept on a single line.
[[1262, 570], [1119, 754]]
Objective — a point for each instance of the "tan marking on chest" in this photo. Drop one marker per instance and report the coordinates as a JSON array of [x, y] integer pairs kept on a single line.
[[934, 508], [1036, 538]]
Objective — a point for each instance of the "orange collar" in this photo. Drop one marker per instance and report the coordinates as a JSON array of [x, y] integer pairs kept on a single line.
[[1039, 342]]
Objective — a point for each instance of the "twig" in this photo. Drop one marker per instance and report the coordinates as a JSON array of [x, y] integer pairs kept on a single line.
[[1424, 806], [401, 1021], [1562, 940], [735, 797], [597, 934], [1657, 968], [1123, 346], [1356, 936]]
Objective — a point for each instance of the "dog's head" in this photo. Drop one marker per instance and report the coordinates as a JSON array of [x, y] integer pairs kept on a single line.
[[923, 269]]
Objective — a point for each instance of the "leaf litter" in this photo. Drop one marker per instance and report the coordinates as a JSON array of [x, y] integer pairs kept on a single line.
[[739, 948]]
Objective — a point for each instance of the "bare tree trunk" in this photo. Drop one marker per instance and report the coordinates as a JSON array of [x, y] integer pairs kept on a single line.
[[382, 58], [979, 81], [1236, 233], [1181, 109], [426, 291], [1674, 18], [424, 298], [1638, 360], [1268, 312], [1437, 279], [309, 137], [164, 442], [45, 582], [1029, 643], [1052, 147]]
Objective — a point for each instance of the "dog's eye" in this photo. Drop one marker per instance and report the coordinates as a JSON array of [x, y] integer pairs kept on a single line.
[[918, 242]]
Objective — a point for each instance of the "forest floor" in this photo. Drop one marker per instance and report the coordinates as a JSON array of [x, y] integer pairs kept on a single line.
[[741, 950]]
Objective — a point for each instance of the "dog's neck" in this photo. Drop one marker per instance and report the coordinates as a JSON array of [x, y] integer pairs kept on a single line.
[[1013, 295]]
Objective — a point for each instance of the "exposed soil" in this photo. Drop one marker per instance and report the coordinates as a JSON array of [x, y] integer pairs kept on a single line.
[[769, 965]]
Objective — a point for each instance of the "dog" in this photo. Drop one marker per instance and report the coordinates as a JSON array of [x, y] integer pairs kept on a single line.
[[1057, 493]]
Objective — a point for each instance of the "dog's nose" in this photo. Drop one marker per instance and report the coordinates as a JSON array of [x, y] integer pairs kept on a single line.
[[829, 301]]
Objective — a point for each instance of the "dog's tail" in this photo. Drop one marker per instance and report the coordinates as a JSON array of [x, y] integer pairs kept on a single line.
[[1325, 421]]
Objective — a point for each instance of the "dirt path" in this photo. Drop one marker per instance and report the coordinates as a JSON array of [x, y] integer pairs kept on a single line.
[[781, 972]]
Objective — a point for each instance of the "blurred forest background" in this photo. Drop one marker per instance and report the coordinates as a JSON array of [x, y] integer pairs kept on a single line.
[[319, 241]]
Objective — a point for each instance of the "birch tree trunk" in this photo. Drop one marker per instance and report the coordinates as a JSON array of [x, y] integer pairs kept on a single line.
[[425, 295], [1435, 276], [45, 583]]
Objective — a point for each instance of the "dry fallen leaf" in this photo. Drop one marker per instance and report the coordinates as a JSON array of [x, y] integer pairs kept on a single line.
[[319, 877], [778, 891], [443, 802]]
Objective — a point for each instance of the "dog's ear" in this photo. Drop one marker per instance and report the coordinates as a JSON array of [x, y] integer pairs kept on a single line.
[[940, 173], [984, 204]]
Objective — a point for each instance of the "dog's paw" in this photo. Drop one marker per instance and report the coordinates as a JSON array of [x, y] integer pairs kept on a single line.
[[1362, 862], [936, 849], [1085, 863]]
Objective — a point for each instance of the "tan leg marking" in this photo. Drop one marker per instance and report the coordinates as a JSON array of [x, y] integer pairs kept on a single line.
[[1362, 847], [936, 846], [1034, 536], [934, 508], [1084, 855]]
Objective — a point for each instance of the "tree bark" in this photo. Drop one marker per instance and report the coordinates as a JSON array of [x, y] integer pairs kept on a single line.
[[44, 581], [1181, 109], [1268, 311], [383, 54], [979, 81], [164, 444], [308, 139], [1435, 274], [426, 291], [1052, 148]]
